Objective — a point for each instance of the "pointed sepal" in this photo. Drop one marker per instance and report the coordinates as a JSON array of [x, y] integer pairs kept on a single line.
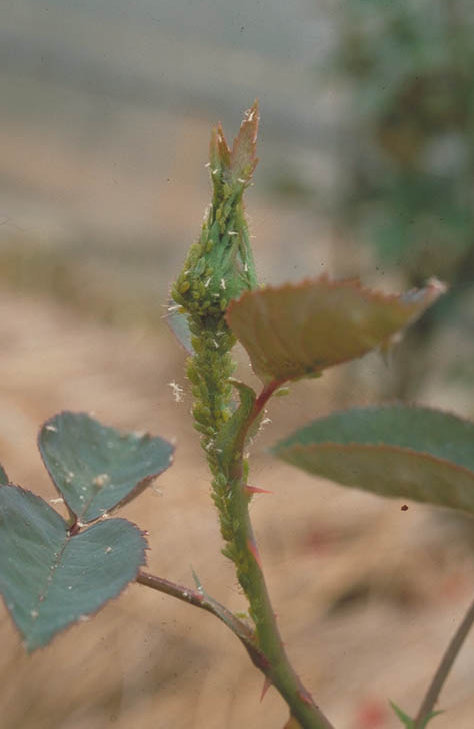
[[236, 166]]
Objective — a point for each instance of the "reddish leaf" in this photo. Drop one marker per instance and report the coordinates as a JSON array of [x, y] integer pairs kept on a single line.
[[298, 330]]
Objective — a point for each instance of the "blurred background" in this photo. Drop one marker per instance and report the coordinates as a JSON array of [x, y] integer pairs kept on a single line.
[[367, 169]]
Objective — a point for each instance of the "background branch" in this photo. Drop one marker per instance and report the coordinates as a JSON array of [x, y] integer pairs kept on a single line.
[[444, 668]]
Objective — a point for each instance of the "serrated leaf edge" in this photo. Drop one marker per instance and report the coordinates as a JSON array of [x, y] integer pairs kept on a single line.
[[69, 537], [136, 491], [314, 447], [437, 288], [394, 405]]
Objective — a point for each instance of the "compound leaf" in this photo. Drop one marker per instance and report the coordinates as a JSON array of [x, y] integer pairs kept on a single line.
[[298, 330], [96, 468], [50, 579], [397, 451]]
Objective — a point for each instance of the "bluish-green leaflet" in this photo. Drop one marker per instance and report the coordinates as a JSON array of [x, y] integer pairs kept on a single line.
[[96, 468], [440, 434], [49, 579], [394, 451]]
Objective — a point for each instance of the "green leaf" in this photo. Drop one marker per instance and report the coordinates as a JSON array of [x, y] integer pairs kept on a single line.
[[298, 330], [410, 723], [3, 476], [50, 579], [97, 468], [178, 323], [410, 452], [429, 717], [404, 718]]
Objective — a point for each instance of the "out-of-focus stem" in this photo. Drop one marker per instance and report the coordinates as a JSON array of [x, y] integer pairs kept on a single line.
[[444, 668]]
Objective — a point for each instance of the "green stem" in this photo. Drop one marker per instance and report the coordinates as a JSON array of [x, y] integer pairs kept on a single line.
[[443, 670], [280, 672], [218, 269]]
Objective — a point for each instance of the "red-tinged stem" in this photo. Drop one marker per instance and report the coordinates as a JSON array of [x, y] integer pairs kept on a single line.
[[200, 599], [186, 594], [257, 410], [249, 572], [262, 400], [444, 668]]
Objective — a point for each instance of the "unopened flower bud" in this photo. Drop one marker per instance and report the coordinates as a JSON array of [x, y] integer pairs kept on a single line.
[[220, 266]]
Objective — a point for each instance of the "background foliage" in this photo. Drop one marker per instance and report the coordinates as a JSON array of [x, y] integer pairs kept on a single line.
[[409, 188]]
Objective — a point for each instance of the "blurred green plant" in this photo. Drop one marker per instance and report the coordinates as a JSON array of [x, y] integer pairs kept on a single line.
[[55, 572], [409, 180]]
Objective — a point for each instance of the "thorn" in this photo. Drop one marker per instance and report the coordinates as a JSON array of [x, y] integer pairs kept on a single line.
[[198, 583], [255, 490], [252, 547], [266, 685]]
